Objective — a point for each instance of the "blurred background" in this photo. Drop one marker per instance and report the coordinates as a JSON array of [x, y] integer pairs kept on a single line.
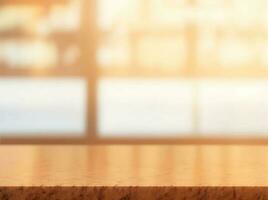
[[147, 70]]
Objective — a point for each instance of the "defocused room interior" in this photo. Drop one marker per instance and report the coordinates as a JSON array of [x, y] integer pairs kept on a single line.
[[78, 71], [155, 99]]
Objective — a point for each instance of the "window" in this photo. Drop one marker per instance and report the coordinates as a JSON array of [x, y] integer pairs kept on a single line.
[[42, 107], [103, 69], [183, 54], [145, 108], [42, 85]]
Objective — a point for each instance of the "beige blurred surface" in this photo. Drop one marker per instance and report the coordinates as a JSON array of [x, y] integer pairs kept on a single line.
[[134, 165]]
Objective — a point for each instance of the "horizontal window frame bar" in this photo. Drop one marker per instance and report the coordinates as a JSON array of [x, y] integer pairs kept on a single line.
[[35, 72], [194, 140]]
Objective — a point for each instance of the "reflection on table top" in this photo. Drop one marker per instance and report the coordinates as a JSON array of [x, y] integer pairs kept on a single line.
[[123, 165]]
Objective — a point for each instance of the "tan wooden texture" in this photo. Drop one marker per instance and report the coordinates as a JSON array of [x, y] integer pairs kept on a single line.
[[134, 172]]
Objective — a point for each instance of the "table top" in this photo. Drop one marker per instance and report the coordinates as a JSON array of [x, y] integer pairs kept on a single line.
[[124, 172], [123, 165]]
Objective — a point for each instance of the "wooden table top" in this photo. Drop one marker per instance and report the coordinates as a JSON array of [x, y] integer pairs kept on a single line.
[[235, 170]]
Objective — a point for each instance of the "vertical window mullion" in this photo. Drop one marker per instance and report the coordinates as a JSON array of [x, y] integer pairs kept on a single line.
[[88, 42]]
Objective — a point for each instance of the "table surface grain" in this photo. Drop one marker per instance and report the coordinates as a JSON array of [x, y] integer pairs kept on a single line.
[[125, 172], [121, 165]]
